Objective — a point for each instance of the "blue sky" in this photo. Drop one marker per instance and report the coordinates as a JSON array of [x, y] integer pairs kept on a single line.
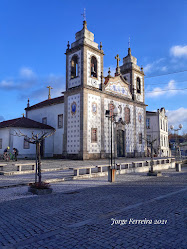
[[34, 35]]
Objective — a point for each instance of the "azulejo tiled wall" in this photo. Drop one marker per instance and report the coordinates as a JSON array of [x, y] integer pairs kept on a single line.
[[73, 124], [94, 121]]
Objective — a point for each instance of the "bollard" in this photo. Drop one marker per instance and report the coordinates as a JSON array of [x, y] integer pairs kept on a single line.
[[178, 167], [111, 174]]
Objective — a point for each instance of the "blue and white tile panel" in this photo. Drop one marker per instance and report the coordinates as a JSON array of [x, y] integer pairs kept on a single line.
[[73, 126], [94, 121]]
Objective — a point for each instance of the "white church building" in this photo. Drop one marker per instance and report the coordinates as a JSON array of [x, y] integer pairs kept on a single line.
[[82, 129]]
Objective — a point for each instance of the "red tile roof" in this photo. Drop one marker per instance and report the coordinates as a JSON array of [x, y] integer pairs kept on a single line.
[[47, 102], [24, 123]]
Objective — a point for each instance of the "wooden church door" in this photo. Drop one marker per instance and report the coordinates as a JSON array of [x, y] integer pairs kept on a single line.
[[120, 143]]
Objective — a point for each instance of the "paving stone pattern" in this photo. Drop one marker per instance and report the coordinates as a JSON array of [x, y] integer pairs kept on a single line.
[[78, 214]]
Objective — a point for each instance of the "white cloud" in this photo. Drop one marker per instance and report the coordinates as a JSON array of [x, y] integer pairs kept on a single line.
[[178, 51], [6, 84], [26, 72], [164, 69], [155, 66], [176, 117], [158, 91], [148, 68]]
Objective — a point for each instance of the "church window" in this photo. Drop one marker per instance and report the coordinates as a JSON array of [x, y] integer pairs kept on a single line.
[[26, 144], [148, 123], [127, 115], [140, 138], [111, 107], [93, 67], [138, 85], [1, 142], [94, 135], [74, 67], [44, 120], [60, 121]]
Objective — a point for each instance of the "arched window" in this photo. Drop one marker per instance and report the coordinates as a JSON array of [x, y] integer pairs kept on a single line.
[[93, 67], [138, 85], [127, 115], [74, 67]]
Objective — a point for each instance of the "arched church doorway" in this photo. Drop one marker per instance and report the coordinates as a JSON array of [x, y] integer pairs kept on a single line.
[[120, 143]]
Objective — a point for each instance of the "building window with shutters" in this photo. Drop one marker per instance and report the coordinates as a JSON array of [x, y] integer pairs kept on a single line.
[[26, 145], [148, 123], [94, 135], [60, 121]]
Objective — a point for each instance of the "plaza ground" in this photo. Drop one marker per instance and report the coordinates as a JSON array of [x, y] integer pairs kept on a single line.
[[79, 213]]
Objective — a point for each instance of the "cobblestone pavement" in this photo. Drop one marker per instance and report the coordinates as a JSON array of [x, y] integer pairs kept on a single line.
[[79, 214], [13, 180]]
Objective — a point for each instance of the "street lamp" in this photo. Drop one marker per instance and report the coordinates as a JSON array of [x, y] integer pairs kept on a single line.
[[111, 114]]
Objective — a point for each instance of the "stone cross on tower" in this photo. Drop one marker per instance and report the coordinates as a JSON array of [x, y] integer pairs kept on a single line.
[[49, 96], [117, 68]]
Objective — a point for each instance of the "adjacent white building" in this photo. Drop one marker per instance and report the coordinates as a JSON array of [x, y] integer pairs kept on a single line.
[[8, 137], [157, 128], [50, 112]]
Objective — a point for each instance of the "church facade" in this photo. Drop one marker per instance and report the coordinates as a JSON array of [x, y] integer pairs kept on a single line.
[[85, 131]]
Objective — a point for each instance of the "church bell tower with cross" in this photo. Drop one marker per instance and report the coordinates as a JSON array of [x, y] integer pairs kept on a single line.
[[134, 75], [84, 67]]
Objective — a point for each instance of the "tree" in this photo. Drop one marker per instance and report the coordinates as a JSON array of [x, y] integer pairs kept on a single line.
[[36, 139]]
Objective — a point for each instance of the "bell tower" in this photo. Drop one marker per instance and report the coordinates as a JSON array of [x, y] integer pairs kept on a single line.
[[84, 60], [134, 75], [84, 67]]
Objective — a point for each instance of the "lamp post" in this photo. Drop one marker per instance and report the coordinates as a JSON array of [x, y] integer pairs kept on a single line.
[[111, 114], [177, 153]]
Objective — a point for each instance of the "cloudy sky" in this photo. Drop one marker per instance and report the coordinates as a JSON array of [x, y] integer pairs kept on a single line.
[[34, 35]]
